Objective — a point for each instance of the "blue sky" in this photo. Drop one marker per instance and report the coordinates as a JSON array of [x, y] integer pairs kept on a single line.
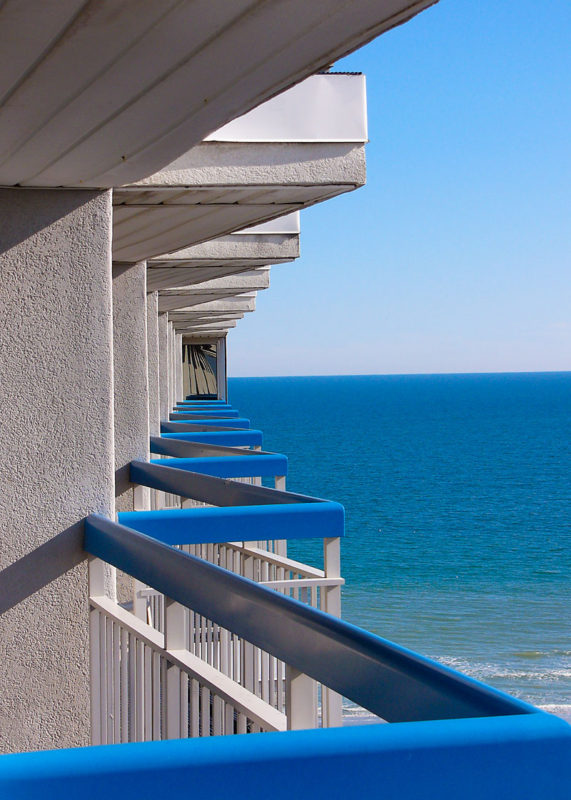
[[456, 255]]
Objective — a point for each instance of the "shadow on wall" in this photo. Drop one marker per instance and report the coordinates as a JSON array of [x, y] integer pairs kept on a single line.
[[40, 567]]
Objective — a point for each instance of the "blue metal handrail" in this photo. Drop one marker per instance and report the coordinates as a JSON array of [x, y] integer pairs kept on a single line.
[[238, 523], [390, 681], [236, 466], [525, 757], [235, 423], [203, 414], [209, 489], [228, 437], [185, 449], [204, 404]]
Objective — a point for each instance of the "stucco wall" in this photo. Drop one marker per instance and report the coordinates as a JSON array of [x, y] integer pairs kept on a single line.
[[153, 361], [270, 164], [164, 360], [56, 453], [130, 375]]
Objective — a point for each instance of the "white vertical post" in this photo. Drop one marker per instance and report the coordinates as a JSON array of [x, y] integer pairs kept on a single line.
[[141, 502], [281, 544], [221, 370], [301, 700], [178, 357], [332, 712], [97, 588], [248, 654], [175, 639]]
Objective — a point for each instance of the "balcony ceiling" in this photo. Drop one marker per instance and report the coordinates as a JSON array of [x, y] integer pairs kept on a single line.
[[238, 304], [254, 280], [147, 224], [101, 94], [228, 255]]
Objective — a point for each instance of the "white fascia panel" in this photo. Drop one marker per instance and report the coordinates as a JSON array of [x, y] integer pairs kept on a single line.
[[288, 223], [325, 108]]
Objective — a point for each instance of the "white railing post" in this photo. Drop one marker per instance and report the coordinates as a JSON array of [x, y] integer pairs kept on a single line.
[[98, 576], [175, 639], [301, 700], [140, 602], [332, 711], [281, 544], [248, 654]]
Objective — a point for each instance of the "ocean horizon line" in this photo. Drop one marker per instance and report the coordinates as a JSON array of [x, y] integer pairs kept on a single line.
[[404, 374]]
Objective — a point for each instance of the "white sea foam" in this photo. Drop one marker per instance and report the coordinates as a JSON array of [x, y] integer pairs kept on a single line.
[[489, 671]]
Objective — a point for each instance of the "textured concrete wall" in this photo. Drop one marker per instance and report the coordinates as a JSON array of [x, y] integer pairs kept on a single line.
[[164, 366], [56, 453], [178, 366], [131, 375], [170, 364], [213, 163], [268, 247], [153, 360]]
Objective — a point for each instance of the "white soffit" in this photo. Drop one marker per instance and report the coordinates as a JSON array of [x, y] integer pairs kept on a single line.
[[254, 280], [220, 187], [228, 298], [244, 302], [100, 94], [228, 255], [190, 276], [210, 326]]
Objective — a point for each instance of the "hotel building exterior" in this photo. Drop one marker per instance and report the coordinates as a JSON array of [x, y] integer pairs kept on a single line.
[[155, 157]]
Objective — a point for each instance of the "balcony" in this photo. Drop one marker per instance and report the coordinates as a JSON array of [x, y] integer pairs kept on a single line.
[[226, 635]]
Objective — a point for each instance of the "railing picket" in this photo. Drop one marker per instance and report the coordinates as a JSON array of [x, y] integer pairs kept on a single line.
[[116, 682], [184, 698], [132, 689], [217, 716], [148, 691], [103, 678], [205, 711], [173, 702], [96, 662], [109, 680], [156, 696], [140, 691], [194, 708]]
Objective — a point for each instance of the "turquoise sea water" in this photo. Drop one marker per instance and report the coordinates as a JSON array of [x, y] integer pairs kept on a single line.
[[458, 501]]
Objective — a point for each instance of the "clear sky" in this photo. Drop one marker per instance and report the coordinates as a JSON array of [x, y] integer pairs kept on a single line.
[[456, 255]]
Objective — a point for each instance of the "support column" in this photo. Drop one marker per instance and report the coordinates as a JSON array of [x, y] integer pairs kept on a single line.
[[131, 377], [164, 366], [171, 367], [178, 365], [221, 373], [56, 453], [153, 359]]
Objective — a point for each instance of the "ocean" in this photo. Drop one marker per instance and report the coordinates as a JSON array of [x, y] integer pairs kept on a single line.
[[457, 497]]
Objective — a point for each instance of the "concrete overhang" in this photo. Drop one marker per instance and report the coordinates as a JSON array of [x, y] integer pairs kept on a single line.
[[226, 302], [275, 242], [208, 326], [193, 316], [100, 94], [279, 158], [254, 280], [239, 303], [193, 322]]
